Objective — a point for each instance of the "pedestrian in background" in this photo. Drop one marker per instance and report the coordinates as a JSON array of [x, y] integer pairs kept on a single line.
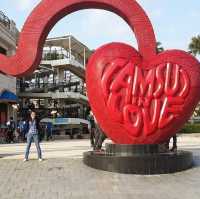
[[48, 131], [91, 119], [100, 138], [174, 146], [20, 127], [11, 129]]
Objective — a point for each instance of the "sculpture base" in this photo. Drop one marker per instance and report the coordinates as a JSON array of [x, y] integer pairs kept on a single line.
[[138, 159]]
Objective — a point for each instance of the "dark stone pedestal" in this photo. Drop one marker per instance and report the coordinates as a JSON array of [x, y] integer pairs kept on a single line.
[[138, 159]]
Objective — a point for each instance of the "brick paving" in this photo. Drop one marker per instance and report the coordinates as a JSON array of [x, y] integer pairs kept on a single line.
[[63, 176]]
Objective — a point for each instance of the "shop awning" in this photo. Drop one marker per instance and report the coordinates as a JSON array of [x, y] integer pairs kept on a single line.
[[8, 96]]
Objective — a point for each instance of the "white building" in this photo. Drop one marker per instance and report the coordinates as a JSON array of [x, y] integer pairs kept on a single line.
[[8, 40], [58, 85]]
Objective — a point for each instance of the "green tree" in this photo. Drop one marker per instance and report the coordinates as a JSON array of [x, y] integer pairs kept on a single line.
[[194, 45], [159, 47], [194, 48]]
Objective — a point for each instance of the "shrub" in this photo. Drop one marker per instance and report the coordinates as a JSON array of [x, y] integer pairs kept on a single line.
[[191, 128]]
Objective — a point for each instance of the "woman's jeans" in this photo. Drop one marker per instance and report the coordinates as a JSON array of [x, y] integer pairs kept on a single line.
[[30, 138]]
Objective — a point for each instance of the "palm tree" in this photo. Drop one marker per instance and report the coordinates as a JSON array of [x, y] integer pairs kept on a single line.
[[194, 48], [197, 111], [159, 47], [194, 45]]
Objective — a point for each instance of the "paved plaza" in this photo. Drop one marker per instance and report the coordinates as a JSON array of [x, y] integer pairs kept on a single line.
[[62, 175]]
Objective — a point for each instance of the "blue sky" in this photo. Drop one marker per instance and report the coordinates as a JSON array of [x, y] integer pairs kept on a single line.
[[174, 21]]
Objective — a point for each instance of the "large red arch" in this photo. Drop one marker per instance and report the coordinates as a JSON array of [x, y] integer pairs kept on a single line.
[[49, 12]]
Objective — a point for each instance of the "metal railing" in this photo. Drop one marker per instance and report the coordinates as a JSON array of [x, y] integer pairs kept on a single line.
[[53, 55], [46, 87], [59, 54]]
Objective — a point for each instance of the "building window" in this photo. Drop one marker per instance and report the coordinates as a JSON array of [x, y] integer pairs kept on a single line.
[[3, 113], [3, 51]]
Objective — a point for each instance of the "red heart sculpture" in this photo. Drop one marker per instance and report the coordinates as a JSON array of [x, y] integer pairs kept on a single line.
[[142, 103], [137, 97]]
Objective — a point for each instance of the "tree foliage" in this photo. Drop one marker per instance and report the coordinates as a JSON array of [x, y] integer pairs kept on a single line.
[[194, 45]]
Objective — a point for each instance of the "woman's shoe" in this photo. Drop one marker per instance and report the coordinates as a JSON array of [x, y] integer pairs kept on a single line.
[[25, 160], [40, 159]]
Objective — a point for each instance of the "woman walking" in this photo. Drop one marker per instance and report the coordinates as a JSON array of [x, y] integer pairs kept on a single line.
[[32, 130]]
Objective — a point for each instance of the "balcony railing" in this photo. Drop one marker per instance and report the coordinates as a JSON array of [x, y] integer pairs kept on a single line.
[[54, 55], [50, 87], [61, 54]]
